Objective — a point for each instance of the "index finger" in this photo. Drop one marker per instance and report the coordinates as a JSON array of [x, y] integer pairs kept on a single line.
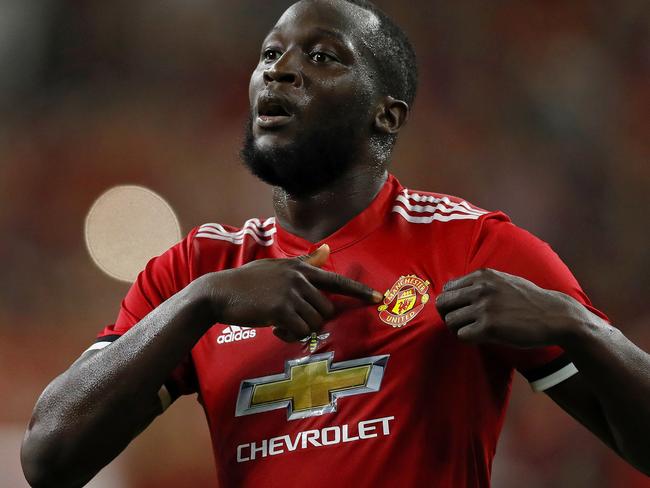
[[462, 281], [453, 299], [342, 285]]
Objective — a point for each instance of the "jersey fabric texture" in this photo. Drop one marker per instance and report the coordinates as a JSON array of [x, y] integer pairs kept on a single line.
[[384, 395]]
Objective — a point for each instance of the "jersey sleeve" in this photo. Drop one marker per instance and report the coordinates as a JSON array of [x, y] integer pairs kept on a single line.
[[499, 244], [163, 276]]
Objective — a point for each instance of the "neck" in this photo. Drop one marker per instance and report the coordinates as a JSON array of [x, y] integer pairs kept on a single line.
[[316, 216]]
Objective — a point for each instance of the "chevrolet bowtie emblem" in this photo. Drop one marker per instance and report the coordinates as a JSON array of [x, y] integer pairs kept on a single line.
[[311, 385]]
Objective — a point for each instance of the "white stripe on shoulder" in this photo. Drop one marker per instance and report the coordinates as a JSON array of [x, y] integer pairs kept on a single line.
[[253, 224], [235, 239], [261, 232], [441, 206], [555, 378], [442, 210], [430, 218]]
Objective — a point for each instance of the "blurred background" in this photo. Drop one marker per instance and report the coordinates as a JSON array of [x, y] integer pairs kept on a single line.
[[539, 108]]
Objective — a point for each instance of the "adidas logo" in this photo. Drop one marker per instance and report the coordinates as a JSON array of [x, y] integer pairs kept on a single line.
[[234, 333]]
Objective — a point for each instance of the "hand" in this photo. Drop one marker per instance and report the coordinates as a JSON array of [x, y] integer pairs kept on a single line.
[[284, 292], [489, 306]]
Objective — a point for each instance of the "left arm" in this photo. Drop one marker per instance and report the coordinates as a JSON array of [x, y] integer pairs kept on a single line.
[[611, 393]]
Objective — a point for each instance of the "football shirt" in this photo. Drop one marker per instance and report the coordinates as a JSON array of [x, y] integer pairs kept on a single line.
[[384, 395]]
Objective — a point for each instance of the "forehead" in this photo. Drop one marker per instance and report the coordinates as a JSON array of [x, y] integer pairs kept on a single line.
[[347, 21]]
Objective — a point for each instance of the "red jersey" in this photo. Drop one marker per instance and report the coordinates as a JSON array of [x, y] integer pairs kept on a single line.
[[384, 395]]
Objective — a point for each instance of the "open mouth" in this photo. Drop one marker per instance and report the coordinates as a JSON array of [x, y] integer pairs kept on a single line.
[[272, 112]]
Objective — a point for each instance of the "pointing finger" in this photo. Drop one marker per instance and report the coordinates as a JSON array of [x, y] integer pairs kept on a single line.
[[342, 285]]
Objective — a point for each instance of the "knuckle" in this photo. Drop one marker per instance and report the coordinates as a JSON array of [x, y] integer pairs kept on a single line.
[[492, 275], [485, 288], [289, 268], [296, 278], [486, 324], [299, 280], [487, 318], [292, 298], [486, 274], [483, 307], [279, 308], [479, 324]]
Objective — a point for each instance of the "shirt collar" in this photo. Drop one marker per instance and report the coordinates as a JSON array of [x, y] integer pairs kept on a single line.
[[354, 230]]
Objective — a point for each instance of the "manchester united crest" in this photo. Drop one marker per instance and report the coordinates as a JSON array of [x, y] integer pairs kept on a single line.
[[404, 300]]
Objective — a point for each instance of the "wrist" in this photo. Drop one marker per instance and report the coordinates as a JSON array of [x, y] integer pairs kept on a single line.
[[580, 326], [207, 301]]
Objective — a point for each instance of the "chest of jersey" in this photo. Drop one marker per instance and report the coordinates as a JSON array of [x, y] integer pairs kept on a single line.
[[370, 371]]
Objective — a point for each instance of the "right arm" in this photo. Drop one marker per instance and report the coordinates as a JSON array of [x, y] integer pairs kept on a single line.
[[91, 412]]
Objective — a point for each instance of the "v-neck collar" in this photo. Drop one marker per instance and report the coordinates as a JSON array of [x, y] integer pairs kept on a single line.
[[354, 230]]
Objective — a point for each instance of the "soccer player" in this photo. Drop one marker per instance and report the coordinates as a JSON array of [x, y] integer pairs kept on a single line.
[[364, 336]]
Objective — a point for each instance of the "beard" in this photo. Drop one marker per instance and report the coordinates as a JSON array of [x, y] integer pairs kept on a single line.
[[311, 162]]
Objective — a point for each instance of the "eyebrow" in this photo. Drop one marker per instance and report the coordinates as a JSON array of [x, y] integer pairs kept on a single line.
[[335, 34]]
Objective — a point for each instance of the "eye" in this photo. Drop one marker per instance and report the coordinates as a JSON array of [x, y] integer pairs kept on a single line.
[[321, 57], [271, 54]]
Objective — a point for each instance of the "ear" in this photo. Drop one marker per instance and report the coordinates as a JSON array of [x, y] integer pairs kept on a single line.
[[391, 115]]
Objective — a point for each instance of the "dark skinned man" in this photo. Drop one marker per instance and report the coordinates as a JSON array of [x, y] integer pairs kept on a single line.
[[306, 372]]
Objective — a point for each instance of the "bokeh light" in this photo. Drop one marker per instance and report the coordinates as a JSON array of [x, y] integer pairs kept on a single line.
[[126, 227]]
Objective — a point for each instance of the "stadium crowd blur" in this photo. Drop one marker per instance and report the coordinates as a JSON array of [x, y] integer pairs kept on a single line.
[[536, 107]]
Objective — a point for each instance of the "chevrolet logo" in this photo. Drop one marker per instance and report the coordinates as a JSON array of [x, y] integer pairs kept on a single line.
[[311, 385]]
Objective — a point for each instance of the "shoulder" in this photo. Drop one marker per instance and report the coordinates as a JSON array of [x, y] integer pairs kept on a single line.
[[462, 229], [448, 226], [218, 246], [425, 207]]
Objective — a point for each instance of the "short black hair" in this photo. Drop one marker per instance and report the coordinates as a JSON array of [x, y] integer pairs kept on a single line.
[[394, 55]]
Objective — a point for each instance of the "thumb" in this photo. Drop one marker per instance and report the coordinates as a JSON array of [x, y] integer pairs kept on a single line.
[[317, 258]]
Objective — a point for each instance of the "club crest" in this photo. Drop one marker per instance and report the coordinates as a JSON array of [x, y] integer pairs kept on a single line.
[[404, 300]]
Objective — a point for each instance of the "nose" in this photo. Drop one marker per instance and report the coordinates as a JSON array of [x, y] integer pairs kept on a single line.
[[284, 70]]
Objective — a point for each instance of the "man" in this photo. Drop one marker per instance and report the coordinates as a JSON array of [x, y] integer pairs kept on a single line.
[[306, 372]]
